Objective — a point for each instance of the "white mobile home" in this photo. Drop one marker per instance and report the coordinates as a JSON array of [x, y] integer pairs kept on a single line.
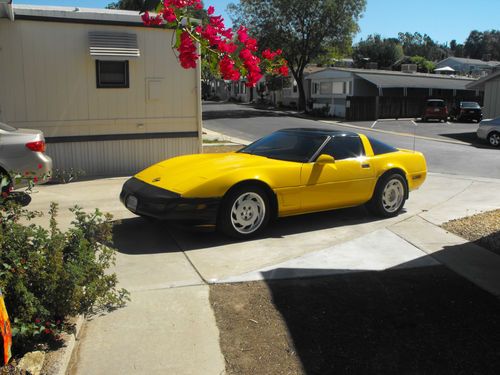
[[108, 93]]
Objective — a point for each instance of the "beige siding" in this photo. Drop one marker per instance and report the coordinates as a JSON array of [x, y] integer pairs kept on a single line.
[[48, 82], [492, 99], [118, 157]]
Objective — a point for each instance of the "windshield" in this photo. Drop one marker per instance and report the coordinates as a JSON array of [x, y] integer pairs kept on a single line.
[[288, 146], [6, 127], [470, 105]]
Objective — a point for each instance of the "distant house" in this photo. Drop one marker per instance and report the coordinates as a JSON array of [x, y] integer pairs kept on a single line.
[[108, 93], [465, 66], [491, 86], [289, 95], [343, 89]]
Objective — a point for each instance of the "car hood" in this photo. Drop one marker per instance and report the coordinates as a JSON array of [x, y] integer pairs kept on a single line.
[[183, 173]]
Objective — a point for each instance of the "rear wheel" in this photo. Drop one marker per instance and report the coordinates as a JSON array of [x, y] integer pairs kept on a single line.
[[494, 139], [389, 196], [245, 212]]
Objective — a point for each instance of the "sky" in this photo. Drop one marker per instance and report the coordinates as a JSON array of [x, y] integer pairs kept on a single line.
[[442, 20]]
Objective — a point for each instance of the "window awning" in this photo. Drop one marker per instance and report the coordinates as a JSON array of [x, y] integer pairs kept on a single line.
[[113, 45]]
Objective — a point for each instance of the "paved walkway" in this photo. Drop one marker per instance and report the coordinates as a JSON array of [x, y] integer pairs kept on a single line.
[[169, 326]]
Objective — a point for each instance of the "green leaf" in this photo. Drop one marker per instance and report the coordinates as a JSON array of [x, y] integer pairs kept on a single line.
[[178, 34]]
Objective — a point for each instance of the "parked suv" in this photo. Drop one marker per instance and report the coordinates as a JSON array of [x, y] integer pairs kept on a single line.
[[466, 111], [435, 109]]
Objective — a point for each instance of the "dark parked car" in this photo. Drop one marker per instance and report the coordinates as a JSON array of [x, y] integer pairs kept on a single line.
[[435, 109], [466, 111]]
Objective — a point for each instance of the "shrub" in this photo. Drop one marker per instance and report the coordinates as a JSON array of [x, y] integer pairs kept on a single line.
[[47, 274]]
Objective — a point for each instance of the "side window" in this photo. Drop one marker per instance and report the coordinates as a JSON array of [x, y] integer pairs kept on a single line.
[[344, 147], [380, 147], [112, 74]]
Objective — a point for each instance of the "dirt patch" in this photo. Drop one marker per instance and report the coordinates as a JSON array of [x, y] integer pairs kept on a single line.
[[483, 229], [424, 320], [254, 338]]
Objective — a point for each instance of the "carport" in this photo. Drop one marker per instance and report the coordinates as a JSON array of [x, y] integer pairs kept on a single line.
[[403, 95]]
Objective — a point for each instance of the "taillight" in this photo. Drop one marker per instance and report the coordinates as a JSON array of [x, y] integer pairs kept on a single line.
[[38, 146]]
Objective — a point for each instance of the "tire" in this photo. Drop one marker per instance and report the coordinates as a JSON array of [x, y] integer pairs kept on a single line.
[[389, 196], [245, 212], [494, 139]]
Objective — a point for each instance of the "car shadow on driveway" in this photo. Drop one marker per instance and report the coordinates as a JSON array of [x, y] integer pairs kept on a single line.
[[140, 236], [424, 320], [470, 138]]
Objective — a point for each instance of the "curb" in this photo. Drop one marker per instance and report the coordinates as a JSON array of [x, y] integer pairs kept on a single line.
[[69, 347]]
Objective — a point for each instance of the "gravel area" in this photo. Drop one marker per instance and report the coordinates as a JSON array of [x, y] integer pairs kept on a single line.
[[483, 229]]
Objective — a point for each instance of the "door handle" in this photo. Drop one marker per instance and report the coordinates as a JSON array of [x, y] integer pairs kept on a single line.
[[365, 165]]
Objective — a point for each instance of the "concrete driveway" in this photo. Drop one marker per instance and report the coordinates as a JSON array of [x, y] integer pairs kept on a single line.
[[167, 268]]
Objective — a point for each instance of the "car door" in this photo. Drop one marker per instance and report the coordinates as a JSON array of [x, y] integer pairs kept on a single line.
[[348, 181]]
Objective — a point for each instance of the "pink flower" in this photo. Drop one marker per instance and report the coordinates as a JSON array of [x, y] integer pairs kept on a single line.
[[187, 52], [35, 179], [210, 10], [268, 55], [242, 34], [169, 15], [283, 71]]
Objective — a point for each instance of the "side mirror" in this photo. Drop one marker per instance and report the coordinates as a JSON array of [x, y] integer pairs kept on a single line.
[[325, 159]]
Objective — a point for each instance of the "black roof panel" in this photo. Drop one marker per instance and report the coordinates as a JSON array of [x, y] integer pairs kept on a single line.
[[322, 131]]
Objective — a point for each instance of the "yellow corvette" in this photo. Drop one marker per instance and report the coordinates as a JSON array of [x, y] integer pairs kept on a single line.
[[289, 172]]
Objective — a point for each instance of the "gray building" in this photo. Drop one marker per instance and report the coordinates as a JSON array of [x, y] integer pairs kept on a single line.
[[491, 86], [465, 66]]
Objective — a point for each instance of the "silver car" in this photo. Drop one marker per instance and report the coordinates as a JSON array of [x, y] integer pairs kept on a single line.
[[489, 130], [22, 158]]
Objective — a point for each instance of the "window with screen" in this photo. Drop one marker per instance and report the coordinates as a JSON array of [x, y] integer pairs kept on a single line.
[[112, 74], [344, 147]]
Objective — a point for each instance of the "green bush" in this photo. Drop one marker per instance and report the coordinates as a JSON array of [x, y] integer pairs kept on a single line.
[[47, 274]]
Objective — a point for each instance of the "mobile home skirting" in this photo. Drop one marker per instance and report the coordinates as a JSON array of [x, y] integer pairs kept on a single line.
[[118, 157]]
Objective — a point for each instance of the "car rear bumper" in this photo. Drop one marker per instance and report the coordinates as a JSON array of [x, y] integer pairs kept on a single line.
[[144, 199], [37, 168]]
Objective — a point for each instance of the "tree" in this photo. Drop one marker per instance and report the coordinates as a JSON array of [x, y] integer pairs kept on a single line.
[[127, 5], [385, 52], [305, 29], [456, 49], [422, 45], [479, 45], [423, 65]]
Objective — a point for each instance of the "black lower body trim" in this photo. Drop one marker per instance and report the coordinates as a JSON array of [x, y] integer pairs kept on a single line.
[[147, 200]]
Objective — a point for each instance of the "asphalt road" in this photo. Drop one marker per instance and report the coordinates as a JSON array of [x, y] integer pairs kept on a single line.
[[467, 157]]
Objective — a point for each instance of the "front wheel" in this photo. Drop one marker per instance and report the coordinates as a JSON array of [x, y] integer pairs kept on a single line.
[[244, 213], [389, 196], [494, 139]]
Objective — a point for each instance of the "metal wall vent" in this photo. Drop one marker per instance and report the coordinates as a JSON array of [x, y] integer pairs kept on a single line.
[[113, 45]]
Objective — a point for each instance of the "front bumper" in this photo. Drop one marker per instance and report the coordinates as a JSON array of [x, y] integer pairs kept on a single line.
[[148, 200]]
